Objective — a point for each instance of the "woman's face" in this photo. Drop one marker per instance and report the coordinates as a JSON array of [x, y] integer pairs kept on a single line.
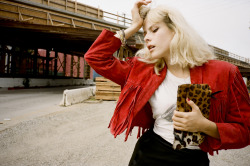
[[157, 37]]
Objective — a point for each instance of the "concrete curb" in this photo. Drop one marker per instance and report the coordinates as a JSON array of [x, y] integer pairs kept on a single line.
[[75, 96]]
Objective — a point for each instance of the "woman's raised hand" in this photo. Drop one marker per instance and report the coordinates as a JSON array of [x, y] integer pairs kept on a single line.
[[137, 21]]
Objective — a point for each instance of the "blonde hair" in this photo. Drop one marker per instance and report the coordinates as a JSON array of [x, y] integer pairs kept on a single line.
[[187, 48]]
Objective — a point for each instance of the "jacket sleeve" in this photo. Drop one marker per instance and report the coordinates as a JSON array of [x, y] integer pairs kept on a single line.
[[234, 132], [100, 58]]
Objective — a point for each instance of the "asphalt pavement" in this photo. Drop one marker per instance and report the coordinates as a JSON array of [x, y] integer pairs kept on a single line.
[[35, 130]]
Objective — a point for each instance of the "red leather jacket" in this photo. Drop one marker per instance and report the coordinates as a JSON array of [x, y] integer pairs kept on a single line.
[[230, 110]]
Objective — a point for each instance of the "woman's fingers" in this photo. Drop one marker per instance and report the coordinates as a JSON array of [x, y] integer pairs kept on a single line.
[[188, 121], [179, 127], [180, 114], [143, 2], [138, 4], [137, 21], [192, 104]]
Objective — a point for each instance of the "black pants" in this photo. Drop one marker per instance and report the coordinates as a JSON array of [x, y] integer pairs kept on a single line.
[[152, 150]]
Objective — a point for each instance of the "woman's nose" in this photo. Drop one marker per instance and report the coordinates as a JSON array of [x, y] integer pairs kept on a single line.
[[146, 38]]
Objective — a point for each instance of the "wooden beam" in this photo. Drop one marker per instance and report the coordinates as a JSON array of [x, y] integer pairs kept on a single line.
[[80, 32], [75, 6]]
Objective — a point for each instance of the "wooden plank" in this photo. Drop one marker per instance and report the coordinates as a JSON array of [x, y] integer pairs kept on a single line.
[[108, 93], [101, 95], [109, 98], [107, 84], [108, 88], [102, 79]]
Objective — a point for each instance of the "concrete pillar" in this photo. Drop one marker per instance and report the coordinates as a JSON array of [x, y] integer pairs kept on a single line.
[[64, 63], [245, 80], [35, 61], [72, 66], [47, 62], [55, 63]]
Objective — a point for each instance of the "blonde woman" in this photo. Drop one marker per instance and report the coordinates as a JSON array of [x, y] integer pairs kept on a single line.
[[174, 54]]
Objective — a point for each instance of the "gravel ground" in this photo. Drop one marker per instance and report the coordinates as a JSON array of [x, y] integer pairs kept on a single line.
[[78, 136]]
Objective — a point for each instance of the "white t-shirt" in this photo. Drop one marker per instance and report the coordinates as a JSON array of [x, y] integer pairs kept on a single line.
[[163, 103]]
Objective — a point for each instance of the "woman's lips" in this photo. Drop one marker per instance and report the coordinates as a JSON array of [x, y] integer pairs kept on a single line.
[[151, 48]]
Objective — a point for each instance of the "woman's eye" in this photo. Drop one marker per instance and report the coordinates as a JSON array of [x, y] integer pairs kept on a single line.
[[155, 30]]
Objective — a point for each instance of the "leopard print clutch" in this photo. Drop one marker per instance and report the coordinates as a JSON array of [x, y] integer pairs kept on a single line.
[[200, 94]]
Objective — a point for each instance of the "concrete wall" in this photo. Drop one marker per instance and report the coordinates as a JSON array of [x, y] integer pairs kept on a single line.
[[34, 82], [75, 96]]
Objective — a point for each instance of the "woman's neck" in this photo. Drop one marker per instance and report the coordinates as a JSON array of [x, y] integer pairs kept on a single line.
[[179, 71]]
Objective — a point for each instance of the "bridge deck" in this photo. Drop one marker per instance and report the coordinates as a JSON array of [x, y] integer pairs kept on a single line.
[[71, 27]]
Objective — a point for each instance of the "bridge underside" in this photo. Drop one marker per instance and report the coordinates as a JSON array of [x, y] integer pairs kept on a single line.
[[65, 39], [245, 72], [35, 51], [50, 39], [22, 45]]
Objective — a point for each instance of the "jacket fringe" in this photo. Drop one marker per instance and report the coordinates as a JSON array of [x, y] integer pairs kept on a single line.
[[127, 122], [141, 131]]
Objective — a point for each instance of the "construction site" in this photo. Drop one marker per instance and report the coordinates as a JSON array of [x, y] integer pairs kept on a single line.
[[54, 108]]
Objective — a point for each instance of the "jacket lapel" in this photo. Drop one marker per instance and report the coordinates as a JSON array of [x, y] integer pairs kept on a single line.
[[156, 80], [196, 75], [150, 87]]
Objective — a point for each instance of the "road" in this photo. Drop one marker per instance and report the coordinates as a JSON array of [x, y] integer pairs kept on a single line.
[[48, 134], [24, 104]]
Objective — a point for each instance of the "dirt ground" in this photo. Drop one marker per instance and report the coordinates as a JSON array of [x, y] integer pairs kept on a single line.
[[78, 136]]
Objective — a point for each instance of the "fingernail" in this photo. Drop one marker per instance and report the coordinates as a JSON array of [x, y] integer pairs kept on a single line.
[[188, 99]]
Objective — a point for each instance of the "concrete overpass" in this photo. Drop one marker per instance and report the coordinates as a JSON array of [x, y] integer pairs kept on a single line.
[[47, 39]]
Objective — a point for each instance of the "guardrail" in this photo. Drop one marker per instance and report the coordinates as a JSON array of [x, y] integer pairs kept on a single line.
[[247, 60], [229, 54], [76, 7]]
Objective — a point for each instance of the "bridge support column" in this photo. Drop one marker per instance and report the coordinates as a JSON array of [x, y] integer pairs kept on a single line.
[[47, 62], [55, 63], [245, 80]]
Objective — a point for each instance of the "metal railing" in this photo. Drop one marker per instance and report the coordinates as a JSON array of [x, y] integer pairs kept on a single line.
[[116, 18], [79, 8], [247, 60], [231, 55]]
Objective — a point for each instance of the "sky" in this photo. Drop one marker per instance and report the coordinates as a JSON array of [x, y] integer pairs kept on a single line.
[[222, 23]]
